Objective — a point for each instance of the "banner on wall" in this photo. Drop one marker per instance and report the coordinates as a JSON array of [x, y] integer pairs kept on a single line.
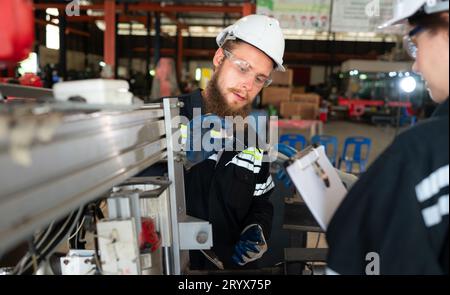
[[360, 15], [297, 14]]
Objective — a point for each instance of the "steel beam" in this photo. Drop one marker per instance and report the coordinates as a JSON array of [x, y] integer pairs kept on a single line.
[[68, 30], [44, 6], [180, 53], [248, 8], [109, 35], [157, 46], [184, 8], [92, 18], [289, 56], [24, 91], [62, 46], [147, 56], [155, 7]]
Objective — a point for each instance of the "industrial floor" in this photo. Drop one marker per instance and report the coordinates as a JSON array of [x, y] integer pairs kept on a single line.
[[381, 136]]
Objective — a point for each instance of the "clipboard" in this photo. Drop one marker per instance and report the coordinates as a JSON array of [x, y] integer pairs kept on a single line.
[[317, 182]]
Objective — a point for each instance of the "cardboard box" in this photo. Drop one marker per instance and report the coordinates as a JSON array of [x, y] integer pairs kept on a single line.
[[275, 95], [306, 97], [299, 110], [300, 89], [283, 78]]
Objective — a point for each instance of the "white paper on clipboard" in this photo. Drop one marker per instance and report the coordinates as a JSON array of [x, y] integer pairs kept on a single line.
[[321, 200]]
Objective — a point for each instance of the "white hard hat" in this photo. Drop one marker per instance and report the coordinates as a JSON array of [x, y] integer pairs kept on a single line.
[[407, 8], [261, 31]]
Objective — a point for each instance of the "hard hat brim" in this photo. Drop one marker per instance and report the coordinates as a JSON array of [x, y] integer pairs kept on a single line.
[[280, 68], [406, 11], [393, 22]]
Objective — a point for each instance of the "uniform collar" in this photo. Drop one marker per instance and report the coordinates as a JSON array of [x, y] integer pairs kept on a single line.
[[193, 100], [442, 109]]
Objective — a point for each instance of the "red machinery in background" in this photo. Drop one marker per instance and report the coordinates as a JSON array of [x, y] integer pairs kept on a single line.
[[16, 39], [31, 79], [28, 79], [17, 30]]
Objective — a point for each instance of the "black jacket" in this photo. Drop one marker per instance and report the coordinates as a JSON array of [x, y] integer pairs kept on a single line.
[[399, 207], [230, 194]]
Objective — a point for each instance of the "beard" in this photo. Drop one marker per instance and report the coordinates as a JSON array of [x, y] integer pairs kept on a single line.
[[216, 103]]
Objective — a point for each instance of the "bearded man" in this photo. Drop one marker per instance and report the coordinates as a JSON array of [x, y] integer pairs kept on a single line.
[[231, 188]]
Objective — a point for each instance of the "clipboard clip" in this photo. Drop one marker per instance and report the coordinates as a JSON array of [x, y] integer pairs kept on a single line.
[[321, 173], [310, 157]]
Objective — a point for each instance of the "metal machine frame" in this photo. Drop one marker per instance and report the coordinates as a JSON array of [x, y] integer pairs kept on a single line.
[[87, 155], [24, 91]]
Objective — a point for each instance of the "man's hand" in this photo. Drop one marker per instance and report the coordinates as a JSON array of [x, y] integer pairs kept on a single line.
[[251, 245]]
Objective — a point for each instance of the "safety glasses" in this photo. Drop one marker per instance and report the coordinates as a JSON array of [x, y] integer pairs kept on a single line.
[[244, 69], [409, 42]]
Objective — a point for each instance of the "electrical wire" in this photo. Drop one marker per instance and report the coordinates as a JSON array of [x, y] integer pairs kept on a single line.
[[18, 269], [96, 247], [34, 263], [78, 229], [89, 271], [49, 246], [38, 242], [21, 264], [64, 233], [61, 231], [25, 261], [318, 240], [45, 236], [44, 247], [32, 251]]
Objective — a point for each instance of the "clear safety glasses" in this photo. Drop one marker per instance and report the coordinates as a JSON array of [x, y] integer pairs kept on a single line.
[[244, 68], [409, 42]]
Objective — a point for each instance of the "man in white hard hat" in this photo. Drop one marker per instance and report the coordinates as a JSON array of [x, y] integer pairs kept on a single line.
[[231, 188], [395, 218]]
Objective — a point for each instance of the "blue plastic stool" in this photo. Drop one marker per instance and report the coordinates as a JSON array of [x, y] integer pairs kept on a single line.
[[358, 142], [293, 139], [406, 118], [331, 146]]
